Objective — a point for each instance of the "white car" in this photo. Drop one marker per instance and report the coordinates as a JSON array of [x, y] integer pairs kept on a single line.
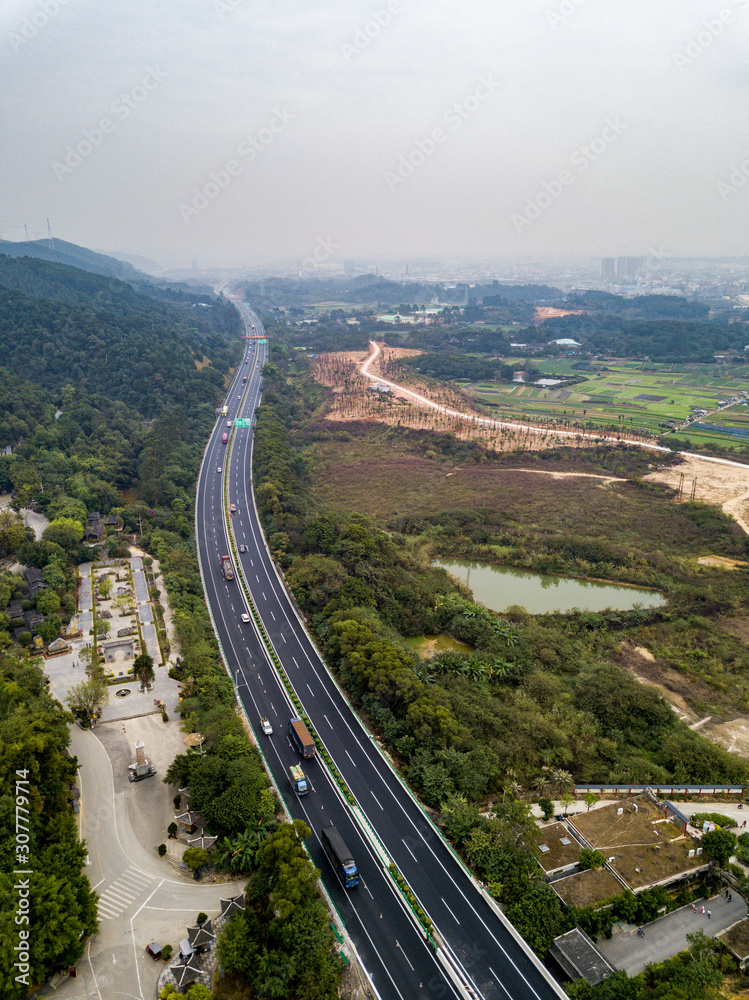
[[266, 727], [246, 618], [218, 469]]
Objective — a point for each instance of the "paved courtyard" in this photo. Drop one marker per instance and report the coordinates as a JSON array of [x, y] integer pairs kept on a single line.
[[126, 701], [667, 936]]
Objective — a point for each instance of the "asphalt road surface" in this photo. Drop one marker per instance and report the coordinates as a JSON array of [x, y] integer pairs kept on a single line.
[[485, 954]]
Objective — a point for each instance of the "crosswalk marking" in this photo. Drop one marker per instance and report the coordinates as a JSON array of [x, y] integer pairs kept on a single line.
[[121, 892]]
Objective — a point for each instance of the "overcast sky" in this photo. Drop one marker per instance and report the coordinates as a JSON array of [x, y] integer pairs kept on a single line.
[[247, 130]]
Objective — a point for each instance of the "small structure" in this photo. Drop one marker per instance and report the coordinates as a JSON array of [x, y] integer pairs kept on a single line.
[[111, 648], [190, 820], [579, 958], [231, 905], [201, 937], [187, 973], [57, 647], [34, 581], [204, 840]]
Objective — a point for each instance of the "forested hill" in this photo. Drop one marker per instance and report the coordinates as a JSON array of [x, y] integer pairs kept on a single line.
[[60, 252], [105, 337]]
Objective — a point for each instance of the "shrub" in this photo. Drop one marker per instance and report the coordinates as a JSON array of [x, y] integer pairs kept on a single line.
[[201, 919], [712, 817], [172, 831], [166, 952], [162, 850]]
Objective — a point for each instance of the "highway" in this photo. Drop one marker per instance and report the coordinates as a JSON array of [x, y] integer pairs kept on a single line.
[[485, 955]]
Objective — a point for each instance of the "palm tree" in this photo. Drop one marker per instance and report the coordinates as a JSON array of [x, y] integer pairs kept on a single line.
[[562, 779]]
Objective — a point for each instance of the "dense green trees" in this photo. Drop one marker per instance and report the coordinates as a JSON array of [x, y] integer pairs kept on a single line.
[[282, 943], [35, 766]]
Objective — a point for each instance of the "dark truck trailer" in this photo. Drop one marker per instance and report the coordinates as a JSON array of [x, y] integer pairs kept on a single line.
[[301, 738], [339, 856]]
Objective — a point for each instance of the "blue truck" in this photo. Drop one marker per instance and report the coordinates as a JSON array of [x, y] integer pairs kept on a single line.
[[339, 856]]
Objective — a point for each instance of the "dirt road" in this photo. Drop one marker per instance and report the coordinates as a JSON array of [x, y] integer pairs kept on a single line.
[[719, 480]]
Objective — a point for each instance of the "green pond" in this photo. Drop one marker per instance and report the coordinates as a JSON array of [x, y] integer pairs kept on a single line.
[[499, 587], [428, 645]]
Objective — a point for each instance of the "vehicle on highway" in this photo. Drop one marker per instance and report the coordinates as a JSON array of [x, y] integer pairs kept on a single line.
[[224, 410], [246, 361], [339, 856], [245, 618], [266, 726], [224, 438], [228, 423], [239, 396], [233, 508], [301, 738], [226, 568], [242, 548], [218, 468], [297, 780]]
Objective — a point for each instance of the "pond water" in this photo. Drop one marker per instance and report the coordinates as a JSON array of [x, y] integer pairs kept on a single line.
[[428, 645], [499, 587]]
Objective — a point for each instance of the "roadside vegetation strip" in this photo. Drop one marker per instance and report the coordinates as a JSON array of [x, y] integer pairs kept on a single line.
[[265, 638], [413, 902]]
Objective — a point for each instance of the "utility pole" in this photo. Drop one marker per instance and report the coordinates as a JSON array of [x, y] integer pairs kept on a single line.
[[49, 236]]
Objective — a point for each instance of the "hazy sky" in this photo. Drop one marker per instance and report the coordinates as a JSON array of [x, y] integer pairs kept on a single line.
[[248, 130]]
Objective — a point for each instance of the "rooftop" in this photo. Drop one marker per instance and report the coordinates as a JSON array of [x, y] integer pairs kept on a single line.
[[588, 888], [736, 938], [561, 848], [646, 848], [580, 958]]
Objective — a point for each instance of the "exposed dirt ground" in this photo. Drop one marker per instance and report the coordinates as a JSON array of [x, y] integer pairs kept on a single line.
[[725, 485], [730, 731]]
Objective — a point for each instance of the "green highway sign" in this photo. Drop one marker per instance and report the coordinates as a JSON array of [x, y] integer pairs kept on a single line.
[[242, 422]]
